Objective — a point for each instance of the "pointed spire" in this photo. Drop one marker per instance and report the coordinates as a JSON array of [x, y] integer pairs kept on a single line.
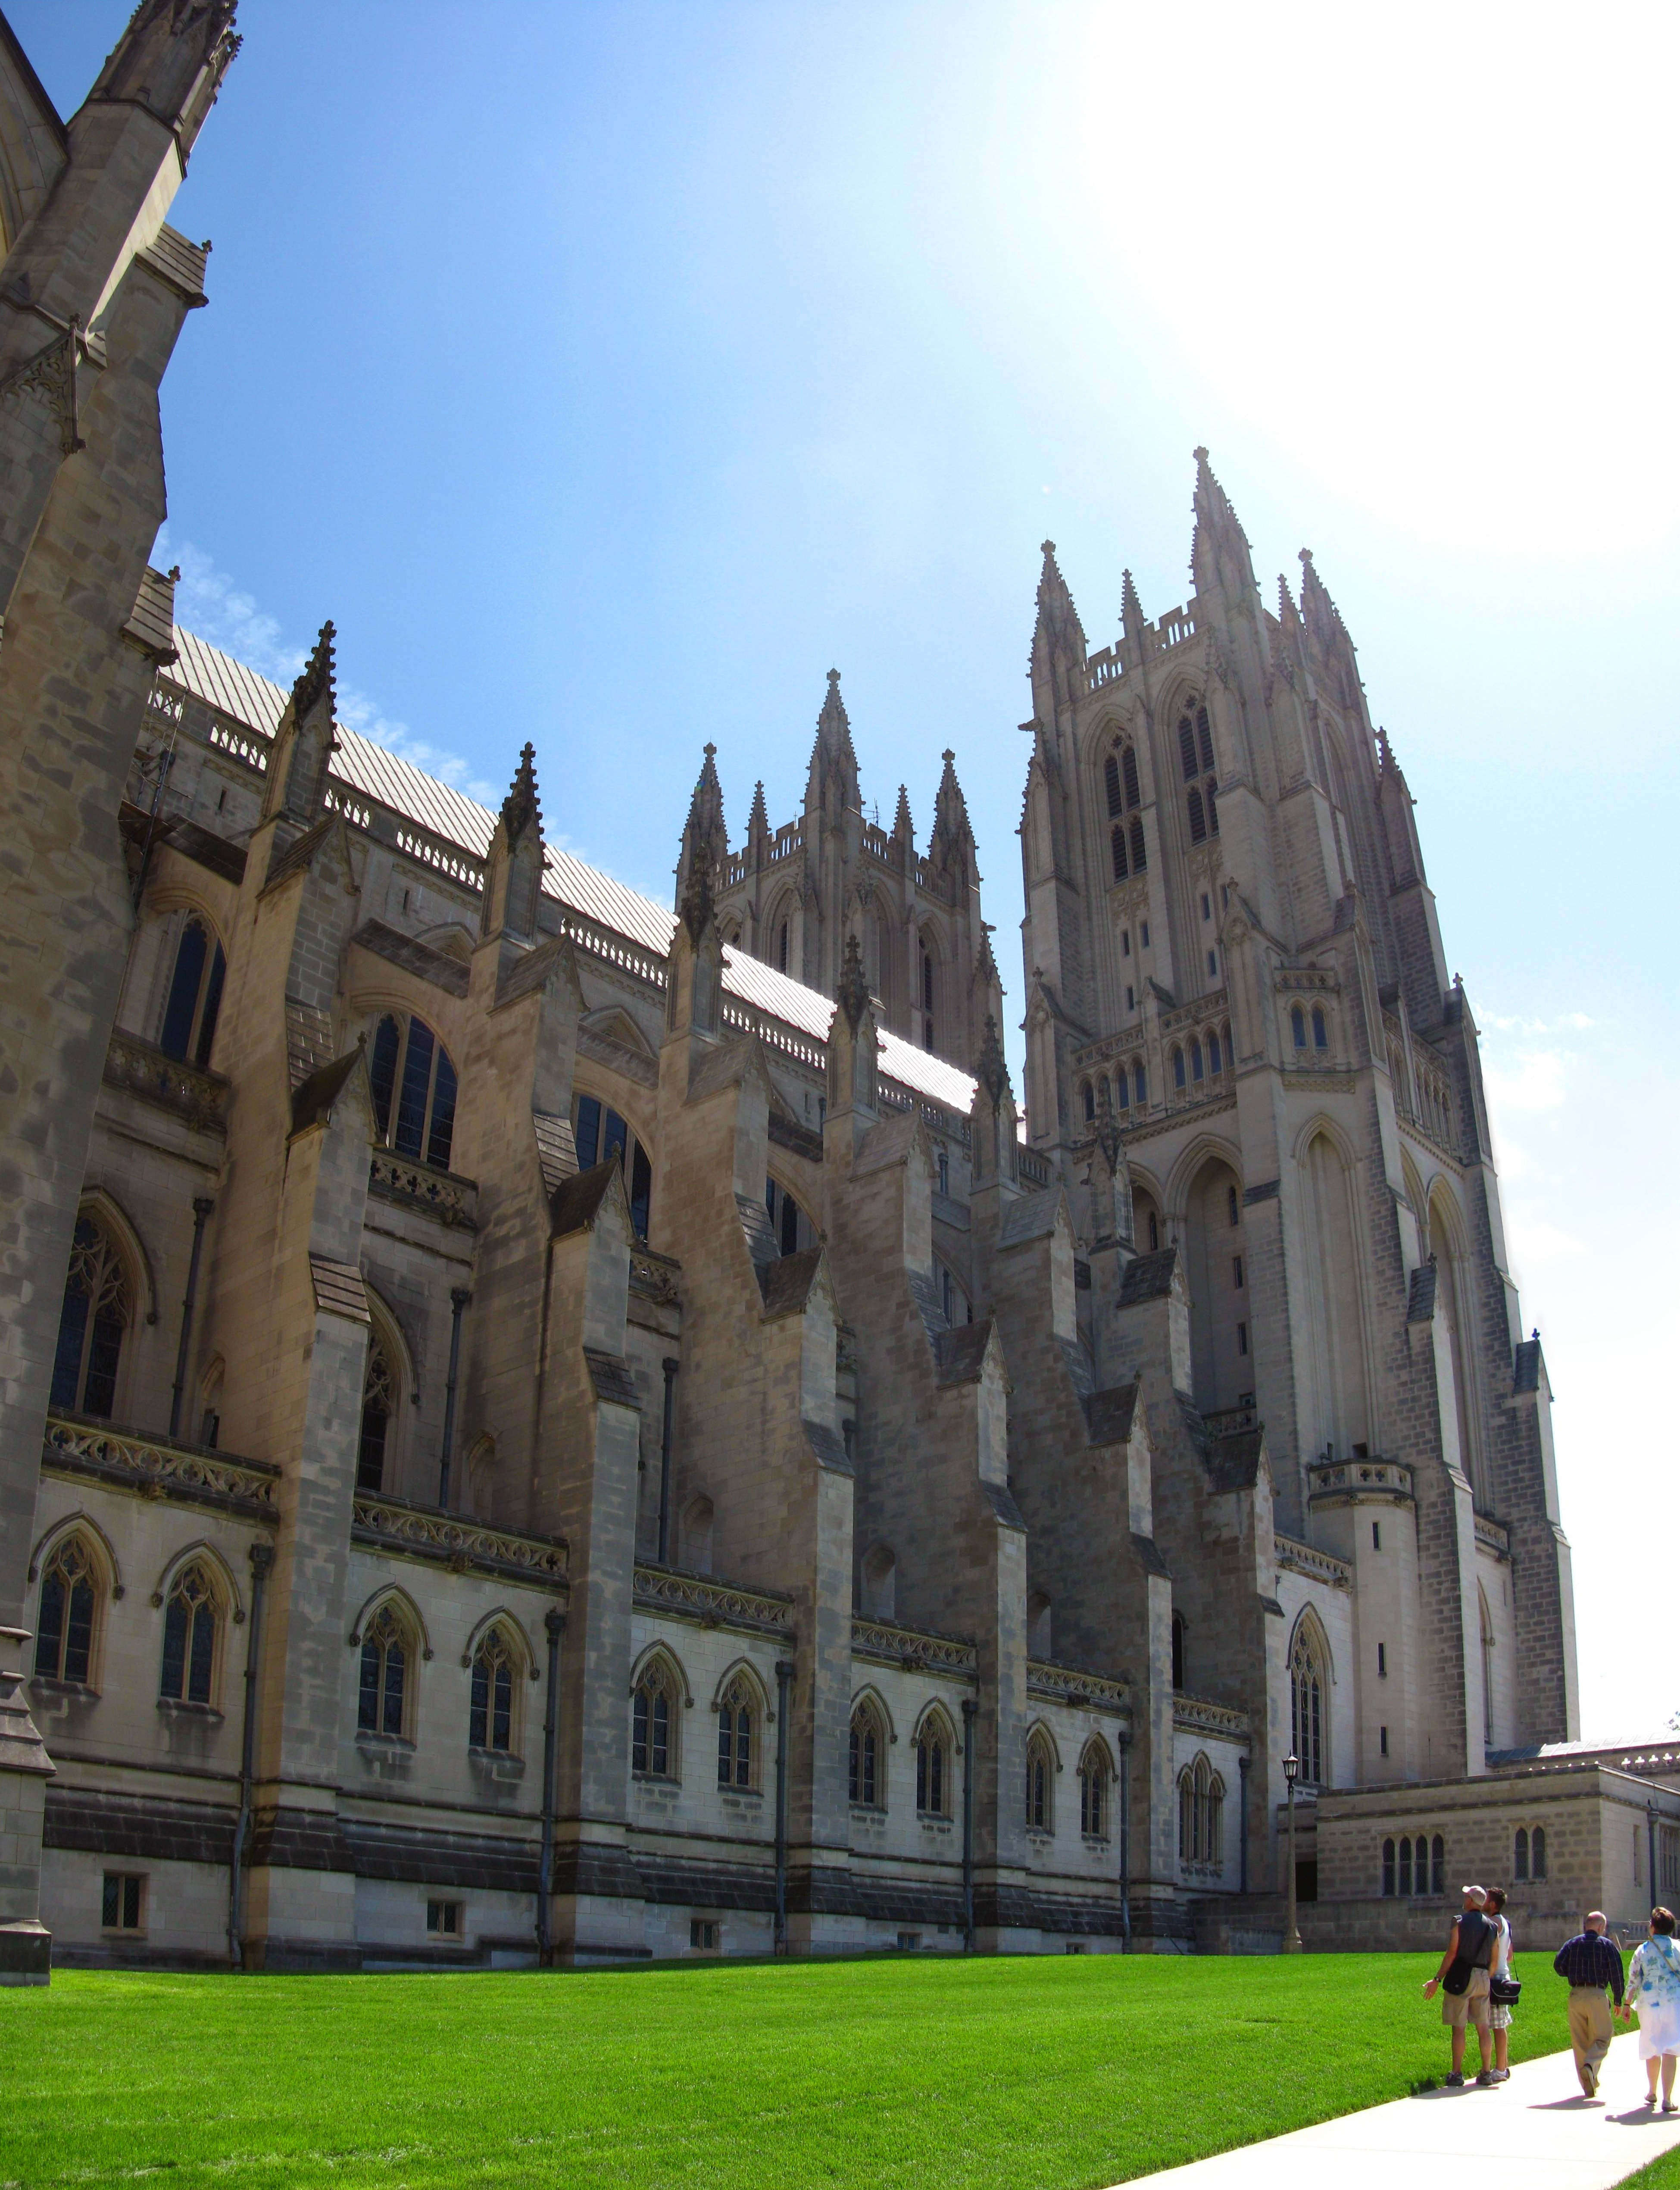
[[706, 845], [902, 824], [317, 675], [1131, 618], [520, 808], [1326, 633], [171, 60], [834, 764], [991, 1068], [304, 742], [1056, 665], [1219, 556], [759, 820], [950, 848], [853, 993]]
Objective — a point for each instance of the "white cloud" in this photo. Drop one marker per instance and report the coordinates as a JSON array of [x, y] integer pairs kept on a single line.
[[209, 602], [1536, 1080]]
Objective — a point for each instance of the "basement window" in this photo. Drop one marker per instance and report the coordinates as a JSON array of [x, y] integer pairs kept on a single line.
[[444, 1917], [122, 1905]]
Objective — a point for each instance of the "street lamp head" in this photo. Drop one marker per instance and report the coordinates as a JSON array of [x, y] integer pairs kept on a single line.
[[1292, 1765]]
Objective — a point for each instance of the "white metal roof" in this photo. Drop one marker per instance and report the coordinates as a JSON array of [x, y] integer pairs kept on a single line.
[[258, 703]]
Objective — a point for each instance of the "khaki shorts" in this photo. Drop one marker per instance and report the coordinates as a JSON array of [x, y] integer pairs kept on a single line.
[[1472, 2007]]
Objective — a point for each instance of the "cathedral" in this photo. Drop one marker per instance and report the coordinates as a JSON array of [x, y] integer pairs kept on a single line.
[[537, 1428]]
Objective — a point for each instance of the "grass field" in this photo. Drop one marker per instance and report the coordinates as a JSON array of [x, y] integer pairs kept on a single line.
[[1019, 2074]]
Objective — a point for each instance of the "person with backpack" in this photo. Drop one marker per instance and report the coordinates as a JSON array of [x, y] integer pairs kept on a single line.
[[1654, 1987], [1462, 1983], [1590, 1962], [1504, 1986]]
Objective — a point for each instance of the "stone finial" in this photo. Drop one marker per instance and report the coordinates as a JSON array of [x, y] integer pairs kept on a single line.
[[520, 808], [1219, 550], [853, 993], [317, 675], [991, 1069]]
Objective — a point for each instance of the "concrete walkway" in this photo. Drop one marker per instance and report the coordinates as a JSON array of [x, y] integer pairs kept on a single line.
[[1537, 2130]]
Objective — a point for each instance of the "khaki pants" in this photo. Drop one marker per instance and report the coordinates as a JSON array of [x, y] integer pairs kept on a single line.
[[1589, 2028]]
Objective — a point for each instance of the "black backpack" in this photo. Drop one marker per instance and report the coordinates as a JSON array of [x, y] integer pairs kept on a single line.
[[1475, 1952]]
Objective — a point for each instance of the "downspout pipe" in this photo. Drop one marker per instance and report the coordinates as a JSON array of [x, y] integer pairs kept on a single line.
[[262, 1564], [1243, 1765], [459, 1298], [783, 1690], [1126, 1842], [1651, 1839], [554, 1622], [202, 1206], [670, 1367], [971, 1713]]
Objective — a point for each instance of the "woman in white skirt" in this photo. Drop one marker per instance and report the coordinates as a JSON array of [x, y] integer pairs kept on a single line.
[[1500, 2015], [1654, 1987]]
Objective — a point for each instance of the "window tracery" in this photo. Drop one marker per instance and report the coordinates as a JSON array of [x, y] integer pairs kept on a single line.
[[1041, 1781], [602, 1133], [385, 1701], [491, 1718], [933, 1746], [737, 1743], [867, 1755], [1093, 1792], [68, 1610], [1195, 760], [414, 1091], [1202, 1816], [91, 1323], [190, 1625], [378, 1405], [653, 1716], [1308, 1702], [195, 998]]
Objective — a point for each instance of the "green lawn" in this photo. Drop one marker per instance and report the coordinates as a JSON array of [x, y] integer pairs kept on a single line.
[[1031, 2074]]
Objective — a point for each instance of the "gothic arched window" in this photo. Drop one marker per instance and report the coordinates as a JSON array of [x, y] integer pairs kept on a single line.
[[384, 1704], [1117, 851], [1093, 1792], [653, 1748], [1041, 1775], [194, 995], [1297, 1026], [865, 1773], [491, 1719], [1320, 1032], [1389, 1869], [91, 1323], [1178, 1066], [1233, 1208], [1195, 1059], [934, 1747], [736, 1747], [1139, 849], [1309, 1705], [1439, 1862], [378, 1404], [1215, 1067], [414, 1090], [1090, 1098], [65, 1619], [1177, 1649], [190, 1628], [1140, 1086], [1196, 758], [600, 1133], [927, 998], [1111, 782]]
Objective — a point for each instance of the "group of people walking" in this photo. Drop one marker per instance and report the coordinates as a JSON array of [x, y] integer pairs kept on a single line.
[[1478, 1989]]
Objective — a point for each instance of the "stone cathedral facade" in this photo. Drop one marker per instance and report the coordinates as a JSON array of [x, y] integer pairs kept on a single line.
[[571, 1431]]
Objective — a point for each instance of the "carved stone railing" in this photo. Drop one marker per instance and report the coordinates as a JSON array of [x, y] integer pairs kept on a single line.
[[1345, 1482], [1071, 1684], [1319, 1566], [199, 1096], [655, 1277], [425, 1532], [241, 742], [1228, 1422], [913, 1647], [420, 1186], [615, 950], [1195, 1714], [1493, 1537], [716, 1604], [158, 1467], [1034, 1168]]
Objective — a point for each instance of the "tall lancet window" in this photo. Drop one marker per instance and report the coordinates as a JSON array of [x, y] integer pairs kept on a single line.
[[1195, 760], [1309, 1704]]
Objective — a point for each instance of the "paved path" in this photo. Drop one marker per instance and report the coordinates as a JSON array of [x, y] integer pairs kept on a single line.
[[1537, 2130]]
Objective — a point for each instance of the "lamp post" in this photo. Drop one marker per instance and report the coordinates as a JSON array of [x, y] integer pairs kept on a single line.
[[1292, 1932]]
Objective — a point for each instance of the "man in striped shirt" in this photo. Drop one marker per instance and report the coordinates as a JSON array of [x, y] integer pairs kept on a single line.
[[1589, 1962]]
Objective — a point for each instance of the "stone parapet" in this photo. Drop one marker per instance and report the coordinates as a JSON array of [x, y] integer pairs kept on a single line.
[[425, 1532], [714, 1604], [158, 1467]]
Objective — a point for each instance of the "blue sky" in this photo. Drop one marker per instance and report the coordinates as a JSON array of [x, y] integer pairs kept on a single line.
[[606, 373]]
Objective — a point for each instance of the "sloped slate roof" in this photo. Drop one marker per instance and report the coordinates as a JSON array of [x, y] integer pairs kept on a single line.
[[258, 702]]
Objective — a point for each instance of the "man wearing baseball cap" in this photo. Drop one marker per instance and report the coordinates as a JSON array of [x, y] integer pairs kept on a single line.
[[1462, 1983]]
